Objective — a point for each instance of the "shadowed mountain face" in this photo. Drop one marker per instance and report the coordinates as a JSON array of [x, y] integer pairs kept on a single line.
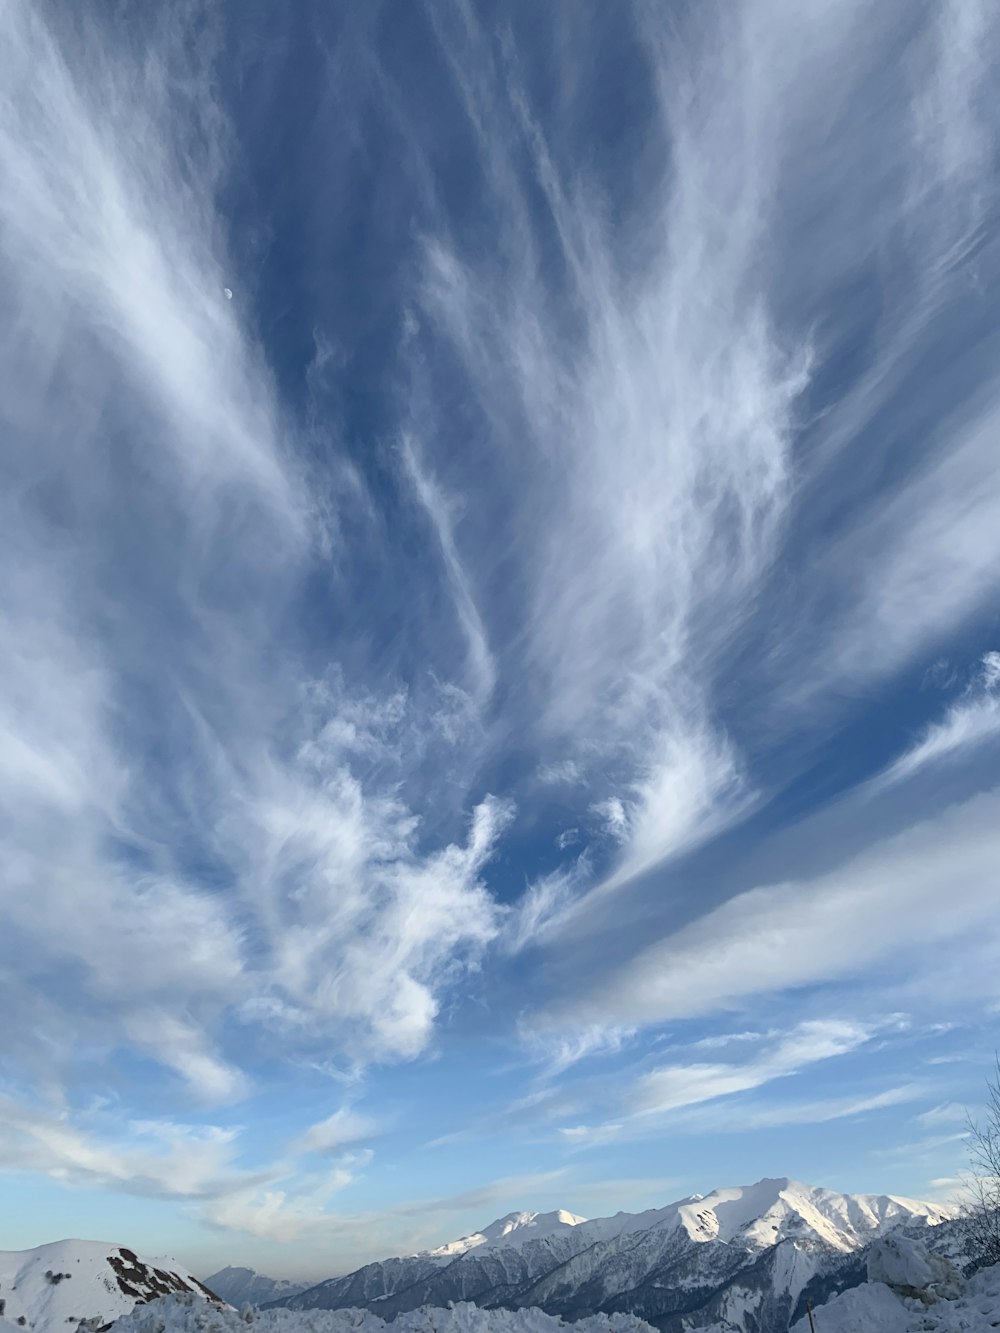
[[749, 1254], [244, 1286]]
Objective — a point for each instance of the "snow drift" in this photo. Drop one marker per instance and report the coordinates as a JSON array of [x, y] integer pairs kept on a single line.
[[186, 1314]]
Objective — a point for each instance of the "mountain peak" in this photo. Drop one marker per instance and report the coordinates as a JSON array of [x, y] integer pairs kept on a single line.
[[512, 1229], [68, 1281], [780, 1208]]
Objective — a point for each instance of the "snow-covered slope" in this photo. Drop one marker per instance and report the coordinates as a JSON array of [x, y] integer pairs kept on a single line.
[[910, 1290], [244, 1286], [740, 1253], [54, 1285], [513, 1230], [179, 1314]]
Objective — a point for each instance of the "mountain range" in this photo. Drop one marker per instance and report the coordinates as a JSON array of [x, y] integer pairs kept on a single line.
[[751, 1256], [746, 1258]]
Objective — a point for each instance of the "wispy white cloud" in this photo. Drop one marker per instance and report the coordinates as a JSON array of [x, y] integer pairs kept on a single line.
[[674, 1086], [159, 1157], [590, 1136], [823, 1111], [195, 830], [439, 513], [909, 894], [558, 1051], [343, 1127], [970, 722], [947, 1113], [657, 424], [700, 1097], [198, 1164], [542, 903]]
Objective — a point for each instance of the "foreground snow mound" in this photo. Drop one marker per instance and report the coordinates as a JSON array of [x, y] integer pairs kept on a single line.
[[56, 1286], [973, 1308], [910, 1269], [861, 1310], [186, 1314]]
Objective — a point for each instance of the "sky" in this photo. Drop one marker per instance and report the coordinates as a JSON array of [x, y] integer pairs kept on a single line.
[[499, 646]]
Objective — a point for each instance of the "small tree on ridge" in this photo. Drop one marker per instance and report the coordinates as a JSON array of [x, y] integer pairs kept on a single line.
[[984, 1182]]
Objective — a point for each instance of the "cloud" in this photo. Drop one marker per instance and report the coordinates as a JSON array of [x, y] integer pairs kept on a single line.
[[169, 1160], [590, 1136], [882, 906], [674, 1086], [280, 1215], [343, 1127], [656, 423], [208, 843], [185, 1049], [705, 1098], [440, 515], [694, 447], [971, 722], [823, 1111], [481, 1196], [109, 223], [544, 902], [559, 772], [924, 1146], [947, 1113], [161, 1158], [558, 1051]]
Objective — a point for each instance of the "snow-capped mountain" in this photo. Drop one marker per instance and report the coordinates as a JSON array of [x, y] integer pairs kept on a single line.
[[751, 1251], [72, 1280], [512, 1230], [244, 1286]]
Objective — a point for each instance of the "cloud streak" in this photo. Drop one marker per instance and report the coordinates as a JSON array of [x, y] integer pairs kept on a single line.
[[882, 906]]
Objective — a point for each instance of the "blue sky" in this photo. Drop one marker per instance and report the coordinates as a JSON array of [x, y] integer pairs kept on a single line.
[[502, 710]]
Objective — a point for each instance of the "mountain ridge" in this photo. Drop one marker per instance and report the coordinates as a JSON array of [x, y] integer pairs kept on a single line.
[[664, 1265]]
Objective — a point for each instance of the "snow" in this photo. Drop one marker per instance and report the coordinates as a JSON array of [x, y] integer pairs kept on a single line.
[[773, 1210], [947, 1303], [758, 1214], [69, 1280], [860, 1310], [513, 1230], [738, 1253], [186, 1314], [903, 1263]]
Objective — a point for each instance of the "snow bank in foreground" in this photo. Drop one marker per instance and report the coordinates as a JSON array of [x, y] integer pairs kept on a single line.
[[187, 1314], [907, 1266], [947, 1304]]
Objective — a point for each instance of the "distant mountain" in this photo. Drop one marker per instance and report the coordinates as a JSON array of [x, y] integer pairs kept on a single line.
[[242, 1286], [72, 1280], [750, 1255], [512, 1230]]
